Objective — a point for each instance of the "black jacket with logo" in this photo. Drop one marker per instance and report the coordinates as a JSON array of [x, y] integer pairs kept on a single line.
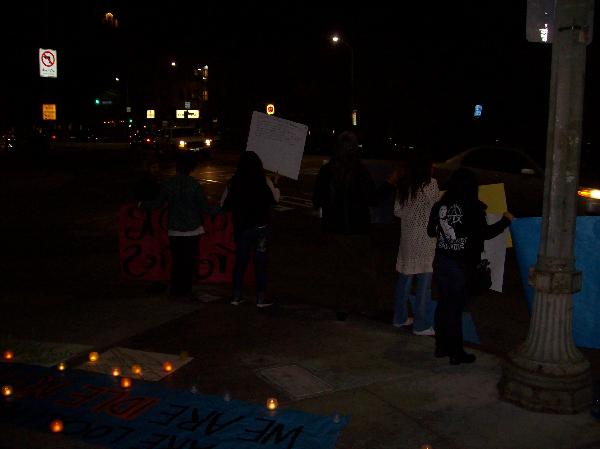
[[461, 228]]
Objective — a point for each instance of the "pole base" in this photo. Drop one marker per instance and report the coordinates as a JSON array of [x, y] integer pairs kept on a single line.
[[567, 393]]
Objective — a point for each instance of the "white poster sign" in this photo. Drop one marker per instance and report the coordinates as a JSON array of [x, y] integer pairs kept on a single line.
[[278, 142], [48, 61]]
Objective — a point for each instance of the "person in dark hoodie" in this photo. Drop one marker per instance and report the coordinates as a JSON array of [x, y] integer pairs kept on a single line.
[[458, 221], [344, 191]]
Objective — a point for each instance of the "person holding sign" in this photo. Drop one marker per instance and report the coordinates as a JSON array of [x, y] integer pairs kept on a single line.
[[187, 207], [249, 196], [458, 220]]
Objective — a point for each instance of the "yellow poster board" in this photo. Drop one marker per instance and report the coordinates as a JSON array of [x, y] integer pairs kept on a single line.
[[495, 197]]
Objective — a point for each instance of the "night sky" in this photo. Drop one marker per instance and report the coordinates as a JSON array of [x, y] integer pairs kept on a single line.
[[419, 70]]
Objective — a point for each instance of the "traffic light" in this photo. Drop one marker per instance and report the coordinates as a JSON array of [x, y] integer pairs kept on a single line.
[[97, 101], [130, 121]]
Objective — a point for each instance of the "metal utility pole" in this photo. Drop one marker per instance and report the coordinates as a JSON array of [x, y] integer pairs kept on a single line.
[[548, 373]]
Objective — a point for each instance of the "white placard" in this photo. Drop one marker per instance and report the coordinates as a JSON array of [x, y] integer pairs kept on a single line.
[[495, 252], [278, 142], [48, 61]]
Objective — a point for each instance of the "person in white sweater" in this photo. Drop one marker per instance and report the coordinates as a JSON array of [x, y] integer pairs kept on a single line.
[[417, 192]]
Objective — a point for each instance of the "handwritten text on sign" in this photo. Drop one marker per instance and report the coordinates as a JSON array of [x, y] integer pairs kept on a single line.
[[278, 142]]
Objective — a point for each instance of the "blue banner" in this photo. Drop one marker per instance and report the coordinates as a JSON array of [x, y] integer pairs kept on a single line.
[[586, 303], [94, 408]]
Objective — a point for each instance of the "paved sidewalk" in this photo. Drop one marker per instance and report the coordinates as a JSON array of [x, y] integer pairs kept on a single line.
[[65, 287], [397, 393]]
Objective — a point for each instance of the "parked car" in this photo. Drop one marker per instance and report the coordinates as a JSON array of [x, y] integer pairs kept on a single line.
[[523, 178], [184, 139]]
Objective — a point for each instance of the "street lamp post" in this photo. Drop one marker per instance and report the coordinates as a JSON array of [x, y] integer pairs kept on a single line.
[[548, 372], [336, 39]]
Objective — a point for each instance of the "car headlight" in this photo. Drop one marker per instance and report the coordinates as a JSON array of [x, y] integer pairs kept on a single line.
[[589, 193], [208, 142], [182, 144]]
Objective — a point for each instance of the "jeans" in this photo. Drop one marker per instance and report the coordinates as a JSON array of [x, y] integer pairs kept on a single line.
[[452, 287], [248, 241], [422, 305], [184, 251]]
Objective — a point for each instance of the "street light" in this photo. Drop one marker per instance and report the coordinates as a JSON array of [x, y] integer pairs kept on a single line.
[[173, 63], [336, 39]]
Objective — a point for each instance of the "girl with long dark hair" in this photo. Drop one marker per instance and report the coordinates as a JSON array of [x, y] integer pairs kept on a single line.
[[250, 196], [417, 192], [458, 221]]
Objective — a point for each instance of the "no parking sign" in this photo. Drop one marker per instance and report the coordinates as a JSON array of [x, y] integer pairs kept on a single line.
[[48, 63]]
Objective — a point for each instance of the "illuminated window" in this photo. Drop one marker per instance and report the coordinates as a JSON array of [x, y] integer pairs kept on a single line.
[[205, 72], [205, 95]]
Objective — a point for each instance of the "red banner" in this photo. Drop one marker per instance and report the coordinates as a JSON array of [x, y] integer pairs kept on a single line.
[[144, 246]]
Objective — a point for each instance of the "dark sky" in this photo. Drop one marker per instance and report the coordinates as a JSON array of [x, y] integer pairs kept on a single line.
[[420, 67]]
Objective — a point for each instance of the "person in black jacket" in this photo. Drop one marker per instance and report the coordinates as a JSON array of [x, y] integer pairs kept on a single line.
[[344, 191], [250, 196], [458, 221]]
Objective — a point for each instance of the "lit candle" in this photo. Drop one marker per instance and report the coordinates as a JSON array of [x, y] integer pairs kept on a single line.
[[93, 357], [168, 366], [272, 403], [125, 382], [56, 426], [7, 390], [8, 355], [136, 370], [116, 371], [61, 366]]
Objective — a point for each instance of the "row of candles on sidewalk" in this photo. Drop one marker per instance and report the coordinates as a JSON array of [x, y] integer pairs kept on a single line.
[[57, 425]]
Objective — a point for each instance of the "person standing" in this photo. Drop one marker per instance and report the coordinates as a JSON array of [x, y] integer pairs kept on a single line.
[[187, 207], [417, 192], [458, 221], [250, 196], [344, 191]]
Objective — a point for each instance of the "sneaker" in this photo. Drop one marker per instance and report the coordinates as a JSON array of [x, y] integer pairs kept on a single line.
[[264, 304], [429, 332], [237, 301], [408, 322]]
